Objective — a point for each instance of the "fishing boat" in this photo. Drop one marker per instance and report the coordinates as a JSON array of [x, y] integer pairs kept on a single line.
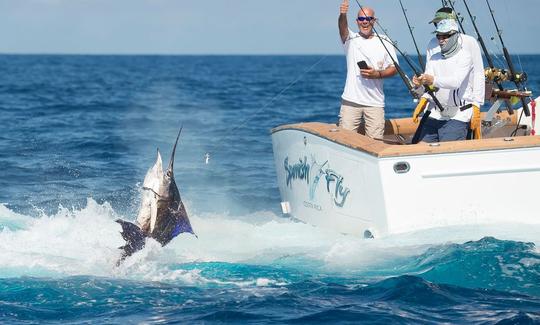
[[342, 180]]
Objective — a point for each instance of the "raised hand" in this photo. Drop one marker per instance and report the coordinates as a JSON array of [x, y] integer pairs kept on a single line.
[[342, 21], [344, 8]]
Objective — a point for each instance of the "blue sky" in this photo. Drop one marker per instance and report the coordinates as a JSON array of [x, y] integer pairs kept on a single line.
[[231, 26]]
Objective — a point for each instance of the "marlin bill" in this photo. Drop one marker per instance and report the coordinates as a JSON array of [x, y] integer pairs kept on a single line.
[[162, 215]]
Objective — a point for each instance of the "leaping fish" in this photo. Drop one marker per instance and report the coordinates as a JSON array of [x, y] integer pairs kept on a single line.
[[162, 215]]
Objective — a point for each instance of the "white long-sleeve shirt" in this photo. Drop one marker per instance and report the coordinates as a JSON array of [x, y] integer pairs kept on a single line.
[[469, 44], [454, 78]]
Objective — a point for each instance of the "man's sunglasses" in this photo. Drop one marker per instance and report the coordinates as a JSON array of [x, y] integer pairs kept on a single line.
[[443, 36], [361, 19]]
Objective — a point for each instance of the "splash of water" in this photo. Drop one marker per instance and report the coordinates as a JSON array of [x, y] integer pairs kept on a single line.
[[84, 242]]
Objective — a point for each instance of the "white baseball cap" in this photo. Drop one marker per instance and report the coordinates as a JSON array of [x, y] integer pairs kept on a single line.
[[446, 26]]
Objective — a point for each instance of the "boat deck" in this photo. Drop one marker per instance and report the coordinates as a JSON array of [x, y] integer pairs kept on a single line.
[[398, 133]]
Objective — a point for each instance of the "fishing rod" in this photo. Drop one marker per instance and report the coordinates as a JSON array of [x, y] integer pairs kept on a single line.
[[517, 79], [416, 72], [400, 71], [428, 89], [420, 59], [451, 4], [483, 44]]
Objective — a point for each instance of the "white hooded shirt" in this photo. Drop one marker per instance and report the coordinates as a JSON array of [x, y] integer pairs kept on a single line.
[[454, 77], [470, 45]]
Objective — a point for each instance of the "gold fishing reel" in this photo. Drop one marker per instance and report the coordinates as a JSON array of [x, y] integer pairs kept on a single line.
[[499, 75]]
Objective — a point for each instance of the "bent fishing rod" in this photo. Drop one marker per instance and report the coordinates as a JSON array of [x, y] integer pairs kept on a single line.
[[420, 59], [517, 79]]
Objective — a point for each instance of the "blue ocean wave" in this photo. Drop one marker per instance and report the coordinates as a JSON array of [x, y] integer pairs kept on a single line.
[[488, 263], [78, 135], [404, 299]]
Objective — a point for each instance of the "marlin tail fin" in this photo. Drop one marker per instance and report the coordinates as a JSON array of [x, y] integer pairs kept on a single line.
[[134, 237]]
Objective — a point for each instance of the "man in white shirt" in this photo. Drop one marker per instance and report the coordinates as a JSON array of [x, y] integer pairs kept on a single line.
[[451, 71], [363, 96], [470, 45]]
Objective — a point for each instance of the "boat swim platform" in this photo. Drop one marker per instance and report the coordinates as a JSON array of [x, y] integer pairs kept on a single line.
[[404, 129]]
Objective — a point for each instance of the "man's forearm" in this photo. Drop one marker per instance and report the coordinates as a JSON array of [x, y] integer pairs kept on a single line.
[[388, 72], [343, 27]]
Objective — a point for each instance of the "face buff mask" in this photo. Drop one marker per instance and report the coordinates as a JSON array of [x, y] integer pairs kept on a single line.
[[451, 47]]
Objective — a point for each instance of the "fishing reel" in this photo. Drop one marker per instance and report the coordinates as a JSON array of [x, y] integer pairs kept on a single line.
[[499, 75]]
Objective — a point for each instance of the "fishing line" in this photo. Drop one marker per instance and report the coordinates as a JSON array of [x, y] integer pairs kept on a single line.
[[420, 58], [207, 155], [497, 52], [501, 62], [273, 99]]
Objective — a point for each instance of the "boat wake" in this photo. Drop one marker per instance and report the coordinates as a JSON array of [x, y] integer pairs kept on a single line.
[[263, 250]]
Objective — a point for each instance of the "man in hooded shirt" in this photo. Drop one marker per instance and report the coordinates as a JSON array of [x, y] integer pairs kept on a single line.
[[470, 45], [450, 72]]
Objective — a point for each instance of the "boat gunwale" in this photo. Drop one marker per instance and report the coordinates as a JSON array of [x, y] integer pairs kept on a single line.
[[380, 149]]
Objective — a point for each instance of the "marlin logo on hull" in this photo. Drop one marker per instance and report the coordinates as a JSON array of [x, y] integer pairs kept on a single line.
[[162, 215]]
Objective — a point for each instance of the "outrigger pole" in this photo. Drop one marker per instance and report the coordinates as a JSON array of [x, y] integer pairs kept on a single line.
[[517, 79], [420, 59], [406, 80]]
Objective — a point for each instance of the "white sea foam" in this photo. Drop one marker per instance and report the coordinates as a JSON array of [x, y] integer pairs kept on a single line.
[[84, 242]]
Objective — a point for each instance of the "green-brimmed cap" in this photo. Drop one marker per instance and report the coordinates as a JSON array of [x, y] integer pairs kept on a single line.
[[444, 13]]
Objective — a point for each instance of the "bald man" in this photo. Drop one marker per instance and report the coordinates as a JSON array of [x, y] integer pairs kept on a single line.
[[368, 63]]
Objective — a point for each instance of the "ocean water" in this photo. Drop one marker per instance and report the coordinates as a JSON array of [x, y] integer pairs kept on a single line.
[[78, 134]]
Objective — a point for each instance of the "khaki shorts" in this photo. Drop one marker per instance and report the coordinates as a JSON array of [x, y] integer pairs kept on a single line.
[[362, 119]]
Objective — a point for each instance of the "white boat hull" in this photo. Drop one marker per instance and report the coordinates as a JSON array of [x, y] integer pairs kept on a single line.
[[326, 182]]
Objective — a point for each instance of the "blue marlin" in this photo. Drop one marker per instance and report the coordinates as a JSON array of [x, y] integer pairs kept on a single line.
[[162, 215]]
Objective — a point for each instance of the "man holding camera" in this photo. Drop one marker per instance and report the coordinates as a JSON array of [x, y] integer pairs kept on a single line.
[[368, 63]]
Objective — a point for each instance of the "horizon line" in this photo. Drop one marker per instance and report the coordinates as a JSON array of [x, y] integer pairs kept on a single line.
[[198, 54]]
